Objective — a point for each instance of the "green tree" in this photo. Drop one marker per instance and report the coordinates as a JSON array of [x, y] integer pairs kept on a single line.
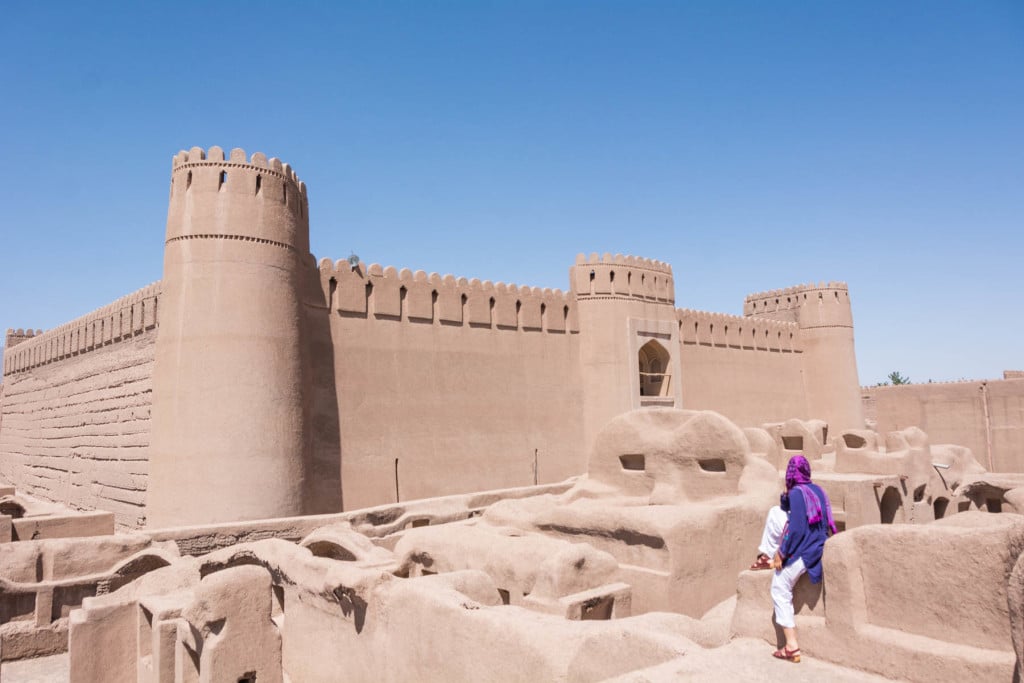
[[896, 378]]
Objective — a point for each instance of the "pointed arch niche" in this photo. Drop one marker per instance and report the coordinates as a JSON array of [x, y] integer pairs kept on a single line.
[[653, 363], [654, 376]]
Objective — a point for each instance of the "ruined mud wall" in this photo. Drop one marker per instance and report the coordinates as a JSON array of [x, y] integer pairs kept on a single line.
[[985, 416], [447, 386], [748, 369], [76, 409]]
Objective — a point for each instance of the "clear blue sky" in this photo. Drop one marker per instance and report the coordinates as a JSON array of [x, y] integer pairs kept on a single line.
[[751, 145]]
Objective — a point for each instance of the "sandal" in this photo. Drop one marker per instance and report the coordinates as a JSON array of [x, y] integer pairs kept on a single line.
[[786, 653], [762, 562]]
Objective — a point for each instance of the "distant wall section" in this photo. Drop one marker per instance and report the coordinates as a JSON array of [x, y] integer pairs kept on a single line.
[[748, 369], [449, 385], [986, 416], [76, 409], [829, 366]]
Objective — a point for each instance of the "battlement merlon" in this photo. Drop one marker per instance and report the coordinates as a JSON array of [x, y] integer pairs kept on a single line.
[[17, 336], [826, 304], [197, 156], [232, 196], [376, 289], [621, 276], [722, 329], [127, 317]]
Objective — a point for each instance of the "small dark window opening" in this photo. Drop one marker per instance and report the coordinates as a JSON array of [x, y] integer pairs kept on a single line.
[[633, 461], [188, 181], [223, 179], [259, 183], [712, 464], [598, 609], [994, 505], [504, 595], [854, 441], [939, 507], [919, 493], [793, 443]]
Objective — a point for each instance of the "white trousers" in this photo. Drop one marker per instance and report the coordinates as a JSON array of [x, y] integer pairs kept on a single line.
[[783, 581], [773, 527]]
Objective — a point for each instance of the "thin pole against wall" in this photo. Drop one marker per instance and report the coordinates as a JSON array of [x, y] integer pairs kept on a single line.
[[398, 498], [988, 426]]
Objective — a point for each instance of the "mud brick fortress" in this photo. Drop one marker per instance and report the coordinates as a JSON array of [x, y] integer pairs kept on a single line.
[[264, 467], [252, 382]]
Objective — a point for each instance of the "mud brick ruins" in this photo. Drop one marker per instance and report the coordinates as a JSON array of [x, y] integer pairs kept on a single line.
[[264, 468]]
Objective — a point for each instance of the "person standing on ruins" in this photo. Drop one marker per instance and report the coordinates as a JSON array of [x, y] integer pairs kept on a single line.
[[803, 542]]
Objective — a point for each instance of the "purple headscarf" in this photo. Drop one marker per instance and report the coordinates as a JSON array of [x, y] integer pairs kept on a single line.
[[798, 474]]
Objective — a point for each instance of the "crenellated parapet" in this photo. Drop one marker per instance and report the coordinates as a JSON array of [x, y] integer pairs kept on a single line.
[[738, 332], [119, 321], [826, 304], [253, 198], [17, 336], [793, 297], [622, 277], [403, 295]]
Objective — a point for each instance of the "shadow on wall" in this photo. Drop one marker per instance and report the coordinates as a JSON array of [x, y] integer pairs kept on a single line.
[[323, 447]]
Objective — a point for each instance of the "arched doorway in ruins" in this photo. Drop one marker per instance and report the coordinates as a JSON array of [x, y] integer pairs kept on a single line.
[[890, 505]]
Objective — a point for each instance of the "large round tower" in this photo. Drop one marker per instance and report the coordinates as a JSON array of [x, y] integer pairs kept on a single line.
[[228, 391]]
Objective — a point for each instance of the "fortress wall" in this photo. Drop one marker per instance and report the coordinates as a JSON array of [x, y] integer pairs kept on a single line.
[[785, 304], [76, 409], [465, 383], [748, 369], [986, 416]]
